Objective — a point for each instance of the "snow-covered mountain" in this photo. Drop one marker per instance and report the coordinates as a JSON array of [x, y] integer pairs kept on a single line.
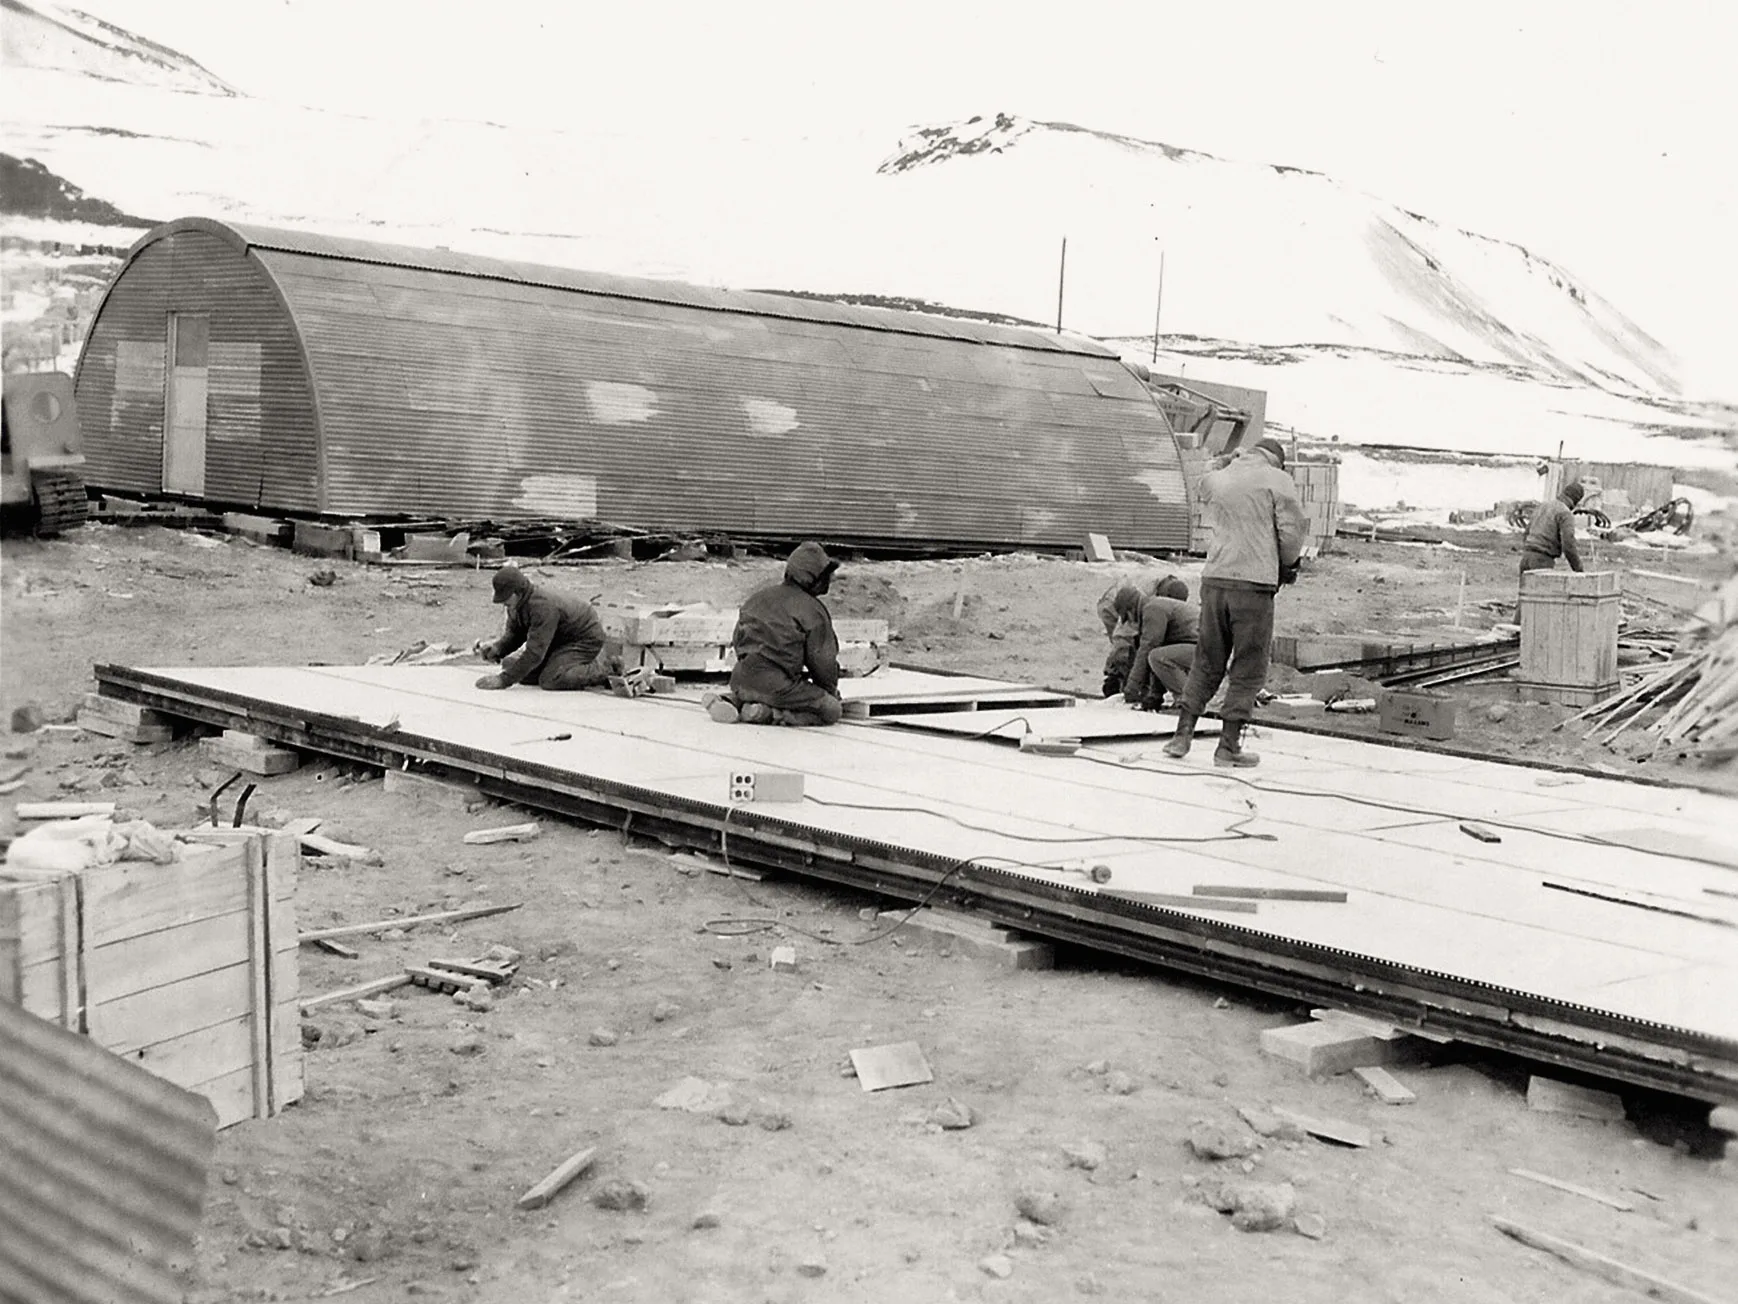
[[1268, 253], [38, 34], [1344, 307]]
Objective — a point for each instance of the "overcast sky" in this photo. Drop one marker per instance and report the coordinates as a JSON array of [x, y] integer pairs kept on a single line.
[[1599, 134]]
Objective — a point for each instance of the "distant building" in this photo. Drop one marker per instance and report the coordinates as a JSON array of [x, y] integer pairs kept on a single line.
[[303, 374]]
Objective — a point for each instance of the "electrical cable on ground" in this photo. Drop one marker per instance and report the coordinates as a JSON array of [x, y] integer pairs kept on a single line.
[[1139, 762]]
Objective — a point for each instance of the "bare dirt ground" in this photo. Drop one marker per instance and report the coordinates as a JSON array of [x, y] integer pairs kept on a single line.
[[401, 1167]]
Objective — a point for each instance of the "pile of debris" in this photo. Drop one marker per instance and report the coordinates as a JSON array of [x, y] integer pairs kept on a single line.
[[1690, 702]]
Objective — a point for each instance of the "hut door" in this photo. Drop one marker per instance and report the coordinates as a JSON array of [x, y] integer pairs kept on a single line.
[[184, 403]]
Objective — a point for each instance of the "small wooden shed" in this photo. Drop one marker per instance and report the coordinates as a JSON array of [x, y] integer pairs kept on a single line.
[[299, 373]]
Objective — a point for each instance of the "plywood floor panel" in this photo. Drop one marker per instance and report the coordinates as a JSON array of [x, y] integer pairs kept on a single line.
[[1380, 822]]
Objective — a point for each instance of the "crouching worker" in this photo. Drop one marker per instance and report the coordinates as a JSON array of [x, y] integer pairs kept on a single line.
[[1123, 634], [1166, 627], [787, 656], [552, 639]]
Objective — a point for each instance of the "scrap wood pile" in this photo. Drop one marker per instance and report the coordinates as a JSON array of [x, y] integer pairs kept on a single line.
[[1690, 702]]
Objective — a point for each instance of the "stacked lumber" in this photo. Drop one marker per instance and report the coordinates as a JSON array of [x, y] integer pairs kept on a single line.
[[1318, 488], [698, 640], [126, 721], [1688, 704]]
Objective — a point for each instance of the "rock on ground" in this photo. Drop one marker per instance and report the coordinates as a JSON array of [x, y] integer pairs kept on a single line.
[[620, 1194], [1211, 1140]]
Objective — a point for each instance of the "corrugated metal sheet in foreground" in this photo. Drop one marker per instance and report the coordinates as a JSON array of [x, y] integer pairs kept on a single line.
[[450, 384], [102, 1171]]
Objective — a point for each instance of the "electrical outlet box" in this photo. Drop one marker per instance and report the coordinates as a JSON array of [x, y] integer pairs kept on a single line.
[[766, 785]]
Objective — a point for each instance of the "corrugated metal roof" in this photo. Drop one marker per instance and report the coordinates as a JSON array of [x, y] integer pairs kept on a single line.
[[102, 1171], [652, 290]]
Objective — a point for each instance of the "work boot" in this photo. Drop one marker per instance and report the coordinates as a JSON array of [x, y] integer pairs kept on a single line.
[[721, 708], [1178, 747], [758, 713], [1230, 751]]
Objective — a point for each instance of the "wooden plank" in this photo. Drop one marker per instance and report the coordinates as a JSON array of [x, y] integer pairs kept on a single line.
[[62, 810], [1328, 1129], [1271, 893], [199, 1055], [72, 957], [373, 987], [231, 1095], [559, 1177], [1586, 1193], [153, 1015], [408, 921], [167, 956], [1179, 901], [325, 846], [1602, 1266], [259, 966], [506, 833], [130, 899], [1389, 1088]]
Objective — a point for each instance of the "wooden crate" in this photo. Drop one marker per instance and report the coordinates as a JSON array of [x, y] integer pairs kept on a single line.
[[188, 970], [1569, 635]]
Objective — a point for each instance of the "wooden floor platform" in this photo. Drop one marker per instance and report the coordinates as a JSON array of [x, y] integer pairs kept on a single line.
[[1597, 933]]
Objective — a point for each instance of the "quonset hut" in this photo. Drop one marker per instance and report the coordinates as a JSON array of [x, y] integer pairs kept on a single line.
[[298, 373]]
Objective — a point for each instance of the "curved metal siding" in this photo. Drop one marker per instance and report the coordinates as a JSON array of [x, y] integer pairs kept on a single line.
[[260, 424], [473, 397], [102, 1171], [755, 303]]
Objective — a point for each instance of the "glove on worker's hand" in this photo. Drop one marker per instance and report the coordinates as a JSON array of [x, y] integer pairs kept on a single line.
[[491, 681], [485, 650], [1288, 574]]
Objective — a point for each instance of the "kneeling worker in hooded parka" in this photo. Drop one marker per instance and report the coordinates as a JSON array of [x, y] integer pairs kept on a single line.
[[787, 656]]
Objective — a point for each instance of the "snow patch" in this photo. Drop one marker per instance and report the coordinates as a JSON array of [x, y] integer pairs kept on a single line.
[[765, 417], [567, 497], [614, 403]]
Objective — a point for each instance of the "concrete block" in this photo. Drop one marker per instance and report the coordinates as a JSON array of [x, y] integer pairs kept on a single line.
[[964, 934], [251, 760], [323, 540], [1324, 1049], [1098, 548], [443, 793], [1549, 1096], [1724, 1118], [784, 959]]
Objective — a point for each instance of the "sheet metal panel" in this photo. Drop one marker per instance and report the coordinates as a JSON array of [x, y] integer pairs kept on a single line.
[[260, 422], [102, 1171], [481, 401]]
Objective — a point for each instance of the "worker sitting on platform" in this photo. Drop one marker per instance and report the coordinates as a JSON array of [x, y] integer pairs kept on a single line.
[[787, 656], [1551, 532], [1122, 634], [1166, 628], [552, 639]]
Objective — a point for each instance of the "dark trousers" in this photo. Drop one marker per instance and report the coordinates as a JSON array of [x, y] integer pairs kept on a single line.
[[569, 668], [1170, 665], [799, 702], [1236, 629]]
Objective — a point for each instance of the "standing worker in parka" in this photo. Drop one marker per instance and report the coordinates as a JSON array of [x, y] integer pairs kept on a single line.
[[1551, 532], [787, 656], [1259, 529]]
